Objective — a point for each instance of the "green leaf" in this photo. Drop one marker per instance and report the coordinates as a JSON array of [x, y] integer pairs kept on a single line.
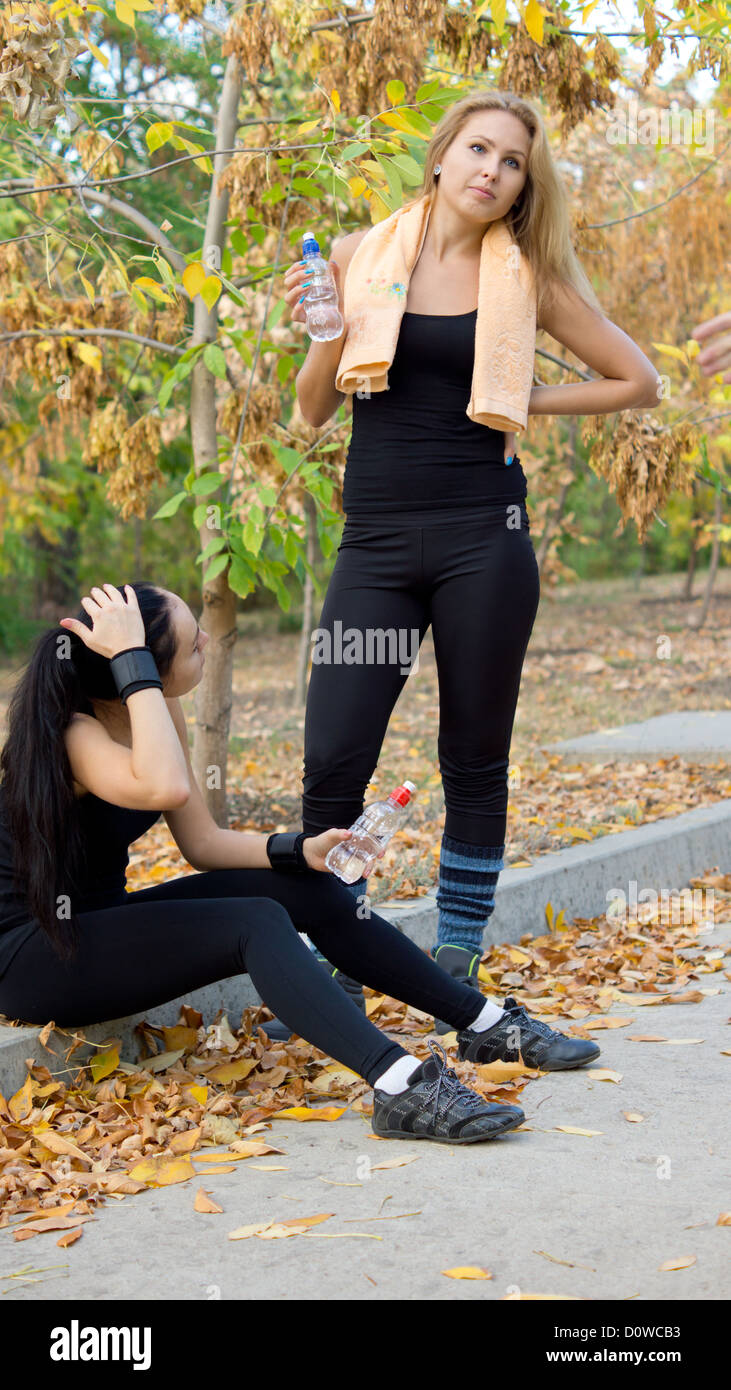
[[158, 134], [304, 185], [215, 360], [353, 150], [291, 548], [395, 91], [252, 537], [284, 368], [207, 482], [267, 496], [212, 548], [169, 383], [395, 187], [170, 507], [427, 89], [239, 242], [215, 567], [240, 577], [276, 314], [411, 170]]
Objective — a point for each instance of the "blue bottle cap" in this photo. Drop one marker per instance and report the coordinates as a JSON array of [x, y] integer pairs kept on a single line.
[[309, 245]]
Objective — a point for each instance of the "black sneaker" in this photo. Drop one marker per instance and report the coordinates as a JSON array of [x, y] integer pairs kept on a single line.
[[435, 1105], [462, 964], [279, 1032], [351, 986], [518, 1037]]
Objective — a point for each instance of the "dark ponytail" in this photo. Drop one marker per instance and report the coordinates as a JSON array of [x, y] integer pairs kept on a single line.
[[41, 810]]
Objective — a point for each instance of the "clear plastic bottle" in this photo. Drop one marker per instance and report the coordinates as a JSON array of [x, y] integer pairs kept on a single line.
[[371, 831], [322, 314]]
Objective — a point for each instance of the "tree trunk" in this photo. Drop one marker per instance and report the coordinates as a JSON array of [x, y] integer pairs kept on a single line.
[[300, 689], [213, 694], [715, 552]]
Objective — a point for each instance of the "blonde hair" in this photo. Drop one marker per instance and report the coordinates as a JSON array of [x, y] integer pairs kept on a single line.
[[539, 220]]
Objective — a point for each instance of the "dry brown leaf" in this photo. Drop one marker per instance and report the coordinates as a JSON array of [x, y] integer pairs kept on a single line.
[[70, 1237], [571, 1129], [203, 1203], [162, 1171], [724, 1219]]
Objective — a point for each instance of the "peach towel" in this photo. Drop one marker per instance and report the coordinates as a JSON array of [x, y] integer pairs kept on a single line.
[[374, 296]]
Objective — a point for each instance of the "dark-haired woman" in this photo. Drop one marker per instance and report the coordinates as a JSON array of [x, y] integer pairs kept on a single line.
[[97, 749]]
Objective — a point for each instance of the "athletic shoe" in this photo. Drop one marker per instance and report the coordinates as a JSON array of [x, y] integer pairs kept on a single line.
[[517, 1037], [462, 964], [435, 1105]]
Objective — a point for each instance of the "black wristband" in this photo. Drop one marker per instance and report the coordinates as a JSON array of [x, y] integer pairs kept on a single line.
[[284, 851], [134, 669]]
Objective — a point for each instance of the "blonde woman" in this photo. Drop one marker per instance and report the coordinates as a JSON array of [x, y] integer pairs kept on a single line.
[[431, 496]]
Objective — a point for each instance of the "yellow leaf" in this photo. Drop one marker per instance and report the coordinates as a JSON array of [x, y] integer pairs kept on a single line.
[[21, 1104], [100, 57], [307, 127], [534, 20], [301, 1112], [125, 13], [570, 1129], [162, 1172], [90, 355], [518, 957], [396, 1162], [680, 1262], [268, 1167], [603, 1074], [104, 1062], [485, 978], [194, 277], [633, 1117], [89, 289], [59, 1144], [502, 1071], [335, 98], [199, 1093], [70, 1237], [180, 1036], [203, 1203], [724, 1219], [162, 1060], [467, 1272], [357, 186], [398, 121], [210, 290], [233, 1071], [186, 1140], [153, 287], [671, 351]]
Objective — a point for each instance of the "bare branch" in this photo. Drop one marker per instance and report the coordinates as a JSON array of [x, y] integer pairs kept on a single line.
[[91, 333]]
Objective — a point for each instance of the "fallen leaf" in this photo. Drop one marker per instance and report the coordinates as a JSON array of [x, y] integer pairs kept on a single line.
[[633, 1117], [603, 1074], [503, 1071], [268, 1167], [395, 1162], [609, 1023], [467, 1272], [203, 1203], [70, 1237], [570, 1129], [163, 1171], [215, 1172], [680, 1262], [303, 1112], [569, 1263], [724, 1219], [646, 1037]]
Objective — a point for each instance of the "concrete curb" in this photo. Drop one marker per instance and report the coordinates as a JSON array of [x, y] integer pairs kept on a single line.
[[663, 855]]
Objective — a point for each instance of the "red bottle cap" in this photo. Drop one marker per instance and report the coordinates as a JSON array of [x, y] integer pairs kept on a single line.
[[403, 794]]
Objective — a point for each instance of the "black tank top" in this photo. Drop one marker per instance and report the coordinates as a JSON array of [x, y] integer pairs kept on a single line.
[[413, 448], [107, 830]]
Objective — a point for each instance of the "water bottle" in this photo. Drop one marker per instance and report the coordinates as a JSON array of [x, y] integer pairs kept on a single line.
[[371, 831], [323, 317]]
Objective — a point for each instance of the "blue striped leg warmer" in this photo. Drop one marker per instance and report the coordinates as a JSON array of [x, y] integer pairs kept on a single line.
[[468, 876]]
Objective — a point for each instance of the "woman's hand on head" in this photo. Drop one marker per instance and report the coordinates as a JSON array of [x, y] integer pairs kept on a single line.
[[117, 621], [316, 847]]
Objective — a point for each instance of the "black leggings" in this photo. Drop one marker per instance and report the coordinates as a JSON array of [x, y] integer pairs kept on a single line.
[[162, 942], [475, 579]]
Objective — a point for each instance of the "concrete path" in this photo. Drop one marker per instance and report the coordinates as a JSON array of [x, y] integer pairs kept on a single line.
[[699, 735], [608, 1209]]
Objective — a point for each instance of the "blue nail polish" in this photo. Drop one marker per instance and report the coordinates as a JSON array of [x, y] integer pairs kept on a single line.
[[509, 459], [302, 296]]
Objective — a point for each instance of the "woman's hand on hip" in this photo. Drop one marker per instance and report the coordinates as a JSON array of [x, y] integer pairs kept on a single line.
[[510, 446]]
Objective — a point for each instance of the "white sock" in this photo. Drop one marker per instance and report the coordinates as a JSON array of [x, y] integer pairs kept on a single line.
[[488, 1015], [396, 1078]]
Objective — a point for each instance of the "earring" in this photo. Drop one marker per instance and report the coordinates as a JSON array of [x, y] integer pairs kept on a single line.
[[437, 169]]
